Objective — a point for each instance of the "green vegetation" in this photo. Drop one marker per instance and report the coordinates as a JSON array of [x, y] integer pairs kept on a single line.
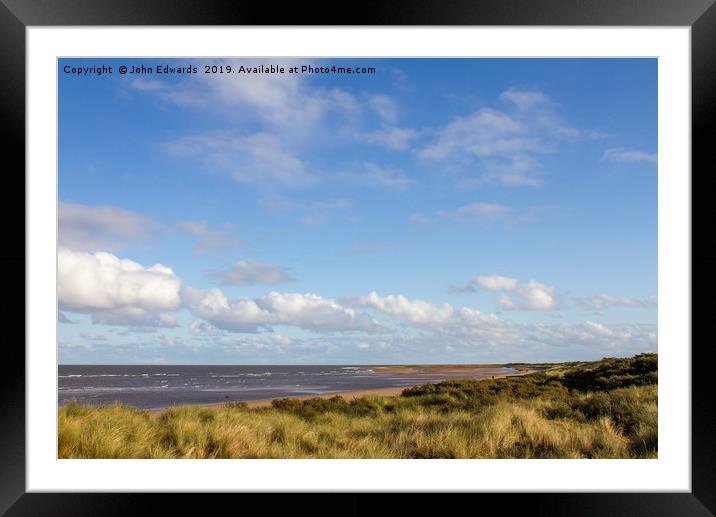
[[603, 409]]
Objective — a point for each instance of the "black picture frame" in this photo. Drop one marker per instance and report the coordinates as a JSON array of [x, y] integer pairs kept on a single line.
[[17, 15]]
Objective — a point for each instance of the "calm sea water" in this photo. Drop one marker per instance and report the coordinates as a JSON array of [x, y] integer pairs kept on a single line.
[[150, 387]]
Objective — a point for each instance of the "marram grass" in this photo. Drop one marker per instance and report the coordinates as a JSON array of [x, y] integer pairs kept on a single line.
[[606, 409]]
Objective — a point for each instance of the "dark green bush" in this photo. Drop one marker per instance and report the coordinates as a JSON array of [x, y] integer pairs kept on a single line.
[[610, 373]]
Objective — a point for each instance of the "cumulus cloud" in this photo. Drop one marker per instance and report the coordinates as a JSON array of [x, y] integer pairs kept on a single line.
[[444, 321], [412, 311], [622, 154], [421, 330], [247, 272], [116, 291], [531, 295], [85, 227], [308, 311]]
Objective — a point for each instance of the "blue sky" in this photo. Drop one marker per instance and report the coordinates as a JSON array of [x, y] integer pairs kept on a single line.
[[435, 211]]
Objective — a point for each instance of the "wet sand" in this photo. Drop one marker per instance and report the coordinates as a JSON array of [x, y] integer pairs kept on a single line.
[[383, 392]]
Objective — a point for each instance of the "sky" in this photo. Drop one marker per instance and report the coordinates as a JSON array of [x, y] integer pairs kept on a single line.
[[434, 211]]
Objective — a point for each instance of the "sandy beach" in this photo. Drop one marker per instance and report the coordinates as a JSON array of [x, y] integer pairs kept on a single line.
[[384, 392]]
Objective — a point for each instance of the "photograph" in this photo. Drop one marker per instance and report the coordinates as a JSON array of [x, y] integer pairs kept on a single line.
[[357, 258], [427, 248]]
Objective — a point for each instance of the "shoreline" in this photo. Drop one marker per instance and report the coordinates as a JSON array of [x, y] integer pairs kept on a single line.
[[346, 394]]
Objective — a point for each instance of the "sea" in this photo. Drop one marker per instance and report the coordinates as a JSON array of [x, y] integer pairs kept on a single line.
[[155, 387]]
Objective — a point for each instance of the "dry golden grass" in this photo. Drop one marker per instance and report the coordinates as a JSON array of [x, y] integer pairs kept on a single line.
[[621, 423]]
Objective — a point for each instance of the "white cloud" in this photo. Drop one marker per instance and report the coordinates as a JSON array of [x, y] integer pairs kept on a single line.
[[474, 133], [135, 317], [116, 291], [422, 219], [477, 211], [444, 322], [86, 227], [532, 295], [572, 133], [148, 85], [396, 138], [423, 331], [374, 175], [279, 202], [503, 145], [403, 309], [281, 100], [384, 107], [518, 170], [472, 334], [621, 154], [209, 240], [495, 283], [524, 99], [246, 272], [261, 158], [597, 337], [312, 212], [202, 328], [308, 311], [603, 300]]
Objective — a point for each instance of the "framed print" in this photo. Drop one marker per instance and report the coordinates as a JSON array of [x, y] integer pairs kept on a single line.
[[432, 250]]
